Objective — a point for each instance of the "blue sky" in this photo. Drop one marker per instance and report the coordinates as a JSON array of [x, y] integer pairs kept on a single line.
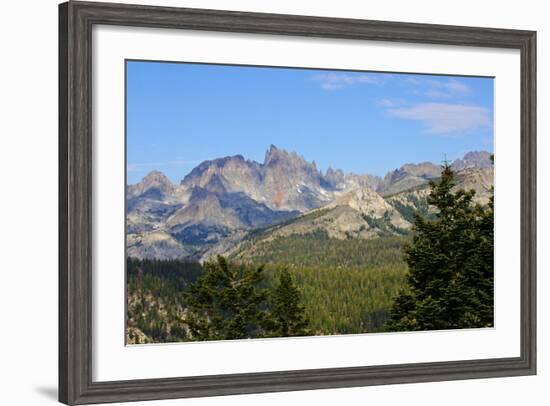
[[179, 115]]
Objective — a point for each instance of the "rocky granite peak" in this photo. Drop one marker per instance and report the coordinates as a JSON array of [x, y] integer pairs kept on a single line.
[[278, 156], [155, 184], [474, 159], [425, 170]]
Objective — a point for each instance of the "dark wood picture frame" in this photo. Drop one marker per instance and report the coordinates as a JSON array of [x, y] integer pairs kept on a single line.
[[76, 20]]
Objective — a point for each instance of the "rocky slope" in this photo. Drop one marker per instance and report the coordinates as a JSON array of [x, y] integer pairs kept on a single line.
[[412, 175], [473, 160], [407, 177], [223, 202]]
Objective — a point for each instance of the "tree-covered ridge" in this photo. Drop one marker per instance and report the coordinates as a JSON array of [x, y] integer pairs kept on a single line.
[[316, 249], [348, 285], [346, 300], [155, 304]]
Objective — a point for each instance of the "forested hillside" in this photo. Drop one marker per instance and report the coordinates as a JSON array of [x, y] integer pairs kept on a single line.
[[155, 304], [346, 286], [419, 259]]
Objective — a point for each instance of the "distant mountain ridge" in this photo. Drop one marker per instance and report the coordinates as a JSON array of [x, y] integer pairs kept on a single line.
[[474, 159], [220, 201]]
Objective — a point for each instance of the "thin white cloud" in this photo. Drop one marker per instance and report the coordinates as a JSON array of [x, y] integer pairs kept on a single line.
[[391, 102], [444, 89], [439, 88], [412, 80], [445, 118], [457, 87], [335, 81], [137, 167]]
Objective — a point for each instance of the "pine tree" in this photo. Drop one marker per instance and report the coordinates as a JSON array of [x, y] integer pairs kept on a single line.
[[225, 303], [450, 279], [287, 317]]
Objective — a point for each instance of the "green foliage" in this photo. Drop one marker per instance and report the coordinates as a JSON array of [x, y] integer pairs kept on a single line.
[[225, 303], [170, 300], [318, 250], [450, 279], [287, 317], [154, 302], [347, 285], [163, 277], [416, 206], [345, 300], [384, 224]]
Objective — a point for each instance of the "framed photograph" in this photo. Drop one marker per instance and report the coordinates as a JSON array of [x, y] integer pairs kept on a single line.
[[258, 202]]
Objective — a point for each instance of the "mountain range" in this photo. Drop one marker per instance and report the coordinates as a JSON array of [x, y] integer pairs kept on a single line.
[[223, 204]]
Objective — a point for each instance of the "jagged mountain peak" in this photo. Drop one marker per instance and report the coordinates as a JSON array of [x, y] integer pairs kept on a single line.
[[272, 149], [336, 172], [213, 165], [156, 178], [273, 154], [473, 159], [276, 155], [426, 170], [154, 185]]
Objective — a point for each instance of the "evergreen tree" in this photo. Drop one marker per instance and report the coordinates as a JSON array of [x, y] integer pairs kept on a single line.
[[225, 303], [450, 279], [287, 316]]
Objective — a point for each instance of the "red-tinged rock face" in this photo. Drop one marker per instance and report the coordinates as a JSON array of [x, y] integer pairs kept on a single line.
[[278, 198]]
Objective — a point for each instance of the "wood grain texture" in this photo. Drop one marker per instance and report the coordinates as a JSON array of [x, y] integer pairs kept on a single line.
[[63, 247], [75, 202]]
